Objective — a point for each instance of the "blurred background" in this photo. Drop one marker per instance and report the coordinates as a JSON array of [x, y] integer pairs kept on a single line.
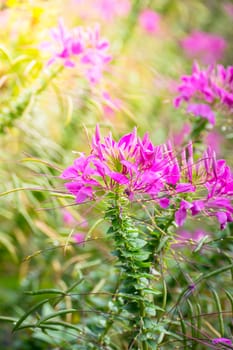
[[48, 113]]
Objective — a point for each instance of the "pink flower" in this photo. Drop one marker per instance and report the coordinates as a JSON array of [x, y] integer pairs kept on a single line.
[[134, 167], [83, 44], [211, 176], [149, 21], [79, 237], [131, 165], [68, 218], [207, 47], [207, 91]]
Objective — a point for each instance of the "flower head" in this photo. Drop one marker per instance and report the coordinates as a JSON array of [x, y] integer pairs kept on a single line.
[[207, 47], [206, 91], [131, 165], [134, 167], [84, 44]]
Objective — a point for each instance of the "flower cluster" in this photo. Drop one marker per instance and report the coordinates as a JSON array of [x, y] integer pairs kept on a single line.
[[134, 167], [85, 44], [207, 47], [205, 91]]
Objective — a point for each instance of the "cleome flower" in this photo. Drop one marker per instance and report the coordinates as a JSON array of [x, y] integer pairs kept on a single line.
[[207, 91], [131, 166], [82, 43], [135, 168]]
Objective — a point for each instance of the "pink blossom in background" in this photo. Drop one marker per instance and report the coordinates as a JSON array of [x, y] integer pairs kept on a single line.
[[208, 48], [195, 236], [207, 91], [79, 45], [79, 237], [68, 218], [109, 9], [110, 105], [228, 8], [149, 21], [179, 138]]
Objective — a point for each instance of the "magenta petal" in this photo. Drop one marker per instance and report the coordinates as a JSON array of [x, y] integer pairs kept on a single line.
[[222, 219], [83, 194], [69, 173], [197, 206], [185, 187], [121, 179], [164, 202], [174, 175], [181, 214]]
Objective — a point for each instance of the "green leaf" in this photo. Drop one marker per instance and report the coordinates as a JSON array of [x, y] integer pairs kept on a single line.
[[30, 311], [139, 243], [8, 319], [152, 291], [213, 273], [220, 312], [142, 255], [56, 314]]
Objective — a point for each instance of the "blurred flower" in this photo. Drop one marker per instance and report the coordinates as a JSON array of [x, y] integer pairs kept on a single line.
[[110, 105], [187, 235], [207, 47], [149, 21], [68, 218], [78, 237], [222, 340], [109, 9], [207, 91], [83, 43], [228, 7], [216, 179]]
